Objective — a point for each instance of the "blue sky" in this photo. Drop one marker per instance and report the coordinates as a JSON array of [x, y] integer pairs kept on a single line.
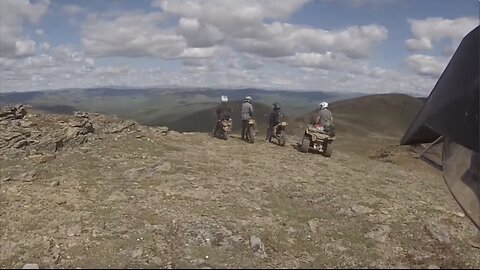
[[349, 45]]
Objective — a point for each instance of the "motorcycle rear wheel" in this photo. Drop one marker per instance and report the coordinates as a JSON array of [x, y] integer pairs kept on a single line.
[[282, 140], [251, 135]]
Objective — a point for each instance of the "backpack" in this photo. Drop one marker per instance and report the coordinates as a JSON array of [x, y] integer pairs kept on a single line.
[[330, 130]]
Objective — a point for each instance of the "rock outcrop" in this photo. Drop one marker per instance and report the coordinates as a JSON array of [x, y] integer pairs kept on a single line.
[[24, 132]]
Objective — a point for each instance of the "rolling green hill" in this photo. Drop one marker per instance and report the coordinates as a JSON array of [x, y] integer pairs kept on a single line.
[[376, 115]]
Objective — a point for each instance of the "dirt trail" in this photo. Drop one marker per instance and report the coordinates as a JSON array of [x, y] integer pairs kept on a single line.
[[188, 200]]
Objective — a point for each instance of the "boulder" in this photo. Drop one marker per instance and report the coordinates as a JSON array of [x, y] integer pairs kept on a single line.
[[30, 266], [258, 247]]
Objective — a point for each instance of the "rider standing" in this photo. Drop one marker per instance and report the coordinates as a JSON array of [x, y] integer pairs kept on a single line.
[[247, 114], [273, 120]]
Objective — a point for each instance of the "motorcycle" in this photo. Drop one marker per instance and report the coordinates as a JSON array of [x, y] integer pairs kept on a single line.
[[250, 132], [319, 140], [279, 133], [223, 129]]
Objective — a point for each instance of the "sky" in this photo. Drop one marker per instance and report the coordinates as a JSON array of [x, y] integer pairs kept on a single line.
[[368, 46]]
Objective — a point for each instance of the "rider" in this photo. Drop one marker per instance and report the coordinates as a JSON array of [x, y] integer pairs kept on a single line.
[[223, 111], [275, 118], [323, 117], [247, 114]]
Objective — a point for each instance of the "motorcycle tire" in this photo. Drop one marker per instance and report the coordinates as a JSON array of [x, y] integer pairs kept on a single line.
[[251, 135], [282, 138]]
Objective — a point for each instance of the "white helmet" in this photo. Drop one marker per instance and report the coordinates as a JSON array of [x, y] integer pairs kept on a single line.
[[248, 98], [224, 98], [323, 105]]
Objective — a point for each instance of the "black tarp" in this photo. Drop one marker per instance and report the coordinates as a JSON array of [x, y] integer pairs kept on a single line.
[[452, 111]]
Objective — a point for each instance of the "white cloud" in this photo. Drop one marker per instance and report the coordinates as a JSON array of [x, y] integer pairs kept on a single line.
[[13, 15], [231, 13], [218, 44], [51, 69], [419, 44], [431, 30], [426, 65], [313, 60], [251, 62], [73, 10], [64, 67], [45, 46], [198, 62], [198, 52], [39, 32], [241, 25], [24, 48], [133, 35], [198, 34], [238, 25], [40, 61], [355, 41], [358, 3], [427, 34]]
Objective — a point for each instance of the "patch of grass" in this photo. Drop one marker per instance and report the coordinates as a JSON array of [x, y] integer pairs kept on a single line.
[[298, 210], [170, 147]]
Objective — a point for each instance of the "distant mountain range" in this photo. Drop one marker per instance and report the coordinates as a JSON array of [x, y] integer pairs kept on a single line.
[[161, 106], [381, 116], [193, 109]]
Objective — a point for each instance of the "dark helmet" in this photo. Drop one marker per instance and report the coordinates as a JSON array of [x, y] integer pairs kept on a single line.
[[276, 106]]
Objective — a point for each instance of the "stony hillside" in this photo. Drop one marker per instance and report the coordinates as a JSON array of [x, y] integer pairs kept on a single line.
[[94, 191]]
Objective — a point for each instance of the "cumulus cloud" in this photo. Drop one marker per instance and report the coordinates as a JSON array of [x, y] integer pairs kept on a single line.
[[198, 62], [282, 39], [430, 30], [418, 44], [244, 61], [199, 34], [427, 33], [45, 46], [239, 25], [13, 15], [426, 64], [216, 43], [358, 3], [231, 13], [64, 67], [251, 62], [314, 60], [73, 10], [133, 34], [355, 41], [24, 48], [199, 52], [53, 67]]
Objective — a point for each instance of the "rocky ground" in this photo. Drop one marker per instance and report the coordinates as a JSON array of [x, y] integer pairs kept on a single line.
[[95, 191]]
